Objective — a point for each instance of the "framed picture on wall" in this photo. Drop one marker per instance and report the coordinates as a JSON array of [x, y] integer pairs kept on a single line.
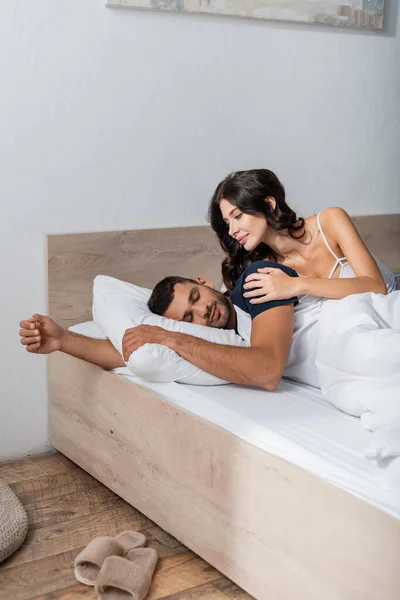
[[340, 13]]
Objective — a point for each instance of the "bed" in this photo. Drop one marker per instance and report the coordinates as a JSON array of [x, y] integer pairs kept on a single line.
[[277, 526]]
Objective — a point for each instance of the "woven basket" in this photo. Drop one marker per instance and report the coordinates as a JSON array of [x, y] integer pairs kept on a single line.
[[13, 522]]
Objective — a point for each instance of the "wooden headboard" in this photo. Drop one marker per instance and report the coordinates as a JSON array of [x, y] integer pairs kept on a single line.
[[144, 257]]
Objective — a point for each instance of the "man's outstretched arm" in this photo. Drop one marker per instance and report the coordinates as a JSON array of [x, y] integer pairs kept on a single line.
[[261, 365], [41, 335]]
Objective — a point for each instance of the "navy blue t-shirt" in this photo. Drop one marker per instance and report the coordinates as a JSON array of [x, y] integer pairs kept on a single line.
[[256, 309]]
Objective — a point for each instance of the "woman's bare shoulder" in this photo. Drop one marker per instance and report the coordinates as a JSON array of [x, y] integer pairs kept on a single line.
[[334, 218]]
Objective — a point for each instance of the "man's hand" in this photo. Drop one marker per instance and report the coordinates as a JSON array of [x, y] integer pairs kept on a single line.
[[136, 337], [41, 335]]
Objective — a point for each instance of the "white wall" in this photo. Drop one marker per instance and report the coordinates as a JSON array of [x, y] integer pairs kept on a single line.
[[113, 119]]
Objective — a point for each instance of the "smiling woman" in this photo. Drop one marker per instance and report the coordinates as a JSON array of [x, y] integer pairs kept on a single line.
[[253, 222], [245, 205]]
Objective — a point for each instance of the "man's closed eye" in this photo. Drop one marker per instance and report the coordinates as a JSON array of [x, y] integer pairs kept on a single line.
[[194, 297]]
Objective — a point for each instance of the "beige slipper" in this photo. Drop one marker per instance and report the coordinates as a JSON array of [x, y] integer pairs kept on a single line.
[[88, 563], [127, 578]]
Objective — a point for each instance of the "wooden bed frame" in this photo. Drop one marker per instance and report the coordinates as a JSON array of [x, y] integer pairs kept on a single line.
[[276, 530]]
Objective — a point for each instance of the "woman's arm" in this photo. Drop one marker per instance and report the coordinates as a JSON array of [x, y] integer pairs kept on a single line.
[[272, 284], [341, 230], [339, 288]]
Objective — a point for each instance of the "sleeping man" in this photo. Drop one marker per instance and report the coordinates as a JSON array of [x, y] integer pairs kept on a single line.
[[333, 344], [349, 348], [282, 334]]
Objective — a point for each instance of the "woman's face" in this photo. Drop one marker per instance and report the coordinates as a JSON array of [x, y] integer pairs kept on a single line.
[[248, 230]]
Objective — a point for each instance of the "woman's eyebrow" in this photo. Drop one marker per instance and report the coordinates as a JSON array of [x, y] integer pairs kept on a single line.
[[231, 212]]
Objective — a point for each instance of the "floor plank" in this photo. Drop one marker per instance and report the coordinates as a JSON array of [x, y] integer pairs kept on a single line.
[[67, 508], [75, 592], [38, 577], [53, 511], [162, 542], [54, 463], [76, 533], [230, 590], [23, 470], [52, 486], [179, 573], [200, 592]]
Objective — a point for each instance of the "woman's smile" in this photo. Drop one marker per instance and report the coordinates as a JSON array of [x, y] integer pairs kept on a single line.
[[242, 238], [247, 229]]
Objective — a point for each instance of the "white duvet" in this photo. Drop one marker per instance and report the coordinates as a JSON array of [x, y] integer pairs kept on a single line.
[[357, 354], [358, 362]]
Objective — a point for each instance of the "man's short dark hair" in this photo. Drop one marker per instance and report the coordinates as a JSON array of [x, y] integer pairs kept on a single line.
[[164, 293]]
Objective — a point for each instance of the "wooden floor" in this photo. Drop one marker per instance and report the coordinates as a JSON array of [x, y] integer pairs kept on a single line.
[[67, 508]]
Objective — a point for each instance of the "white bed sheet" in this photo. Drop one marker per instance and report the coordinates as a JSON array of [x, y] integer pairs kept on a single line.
[[293, 422]]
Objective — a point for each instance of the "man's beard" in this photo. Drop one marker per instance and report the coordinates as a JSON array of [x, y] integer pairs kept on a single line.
[[223, 305]]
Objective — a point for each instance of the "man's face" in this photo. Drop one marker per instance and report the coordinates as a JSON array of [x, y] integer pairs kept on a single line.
[[199, 304]]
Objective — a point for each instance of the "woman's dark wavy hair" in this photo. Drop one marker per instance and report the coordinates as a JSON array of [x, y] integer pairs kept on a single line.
[[248, 190]]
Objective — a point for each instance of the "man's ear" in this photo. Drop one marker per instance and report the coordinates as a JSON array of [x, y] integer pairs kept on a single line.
[[205, 282], [271, 201]]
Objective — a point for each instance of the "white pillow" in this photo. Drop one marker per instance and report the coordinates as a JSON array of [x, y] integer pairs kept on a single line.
[[118, 306], [89, 329]]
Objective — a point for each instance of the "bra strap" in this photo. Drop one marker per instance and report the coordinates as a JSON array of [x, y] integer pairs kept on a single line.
[[339, 261]]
